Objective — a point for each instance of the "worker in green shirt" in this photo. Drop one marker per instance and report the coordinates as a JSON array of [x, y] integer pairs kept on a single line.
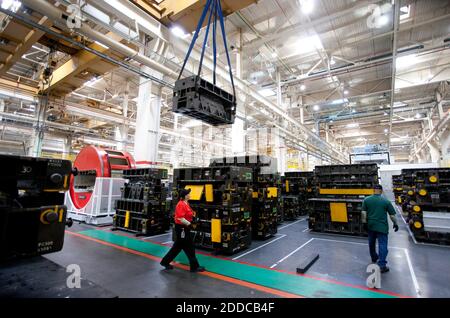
[[374, 212]]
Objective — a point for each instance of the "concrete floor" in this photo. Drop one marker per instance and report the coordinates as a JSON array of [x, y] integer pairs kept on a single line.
[[417, 270]]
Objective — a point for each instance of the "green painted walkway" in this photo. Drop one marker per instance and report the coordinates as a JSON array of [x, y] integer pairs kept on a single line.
[[295, 284]]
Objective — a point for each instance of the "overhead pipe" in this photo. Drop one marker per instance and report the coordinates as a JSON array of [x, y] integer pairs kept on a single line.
[[57, 15]]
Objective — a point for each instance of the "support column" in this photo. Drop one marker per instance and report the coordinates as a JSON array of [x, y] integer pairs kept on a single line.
[[302, 115], [445, 149], [121, 132], [279, 94], [238, 132], [67, 147], [146, 138], [238, 137], [239, 54], [34, 147], [434, 152], [280, 150], [2, 108]]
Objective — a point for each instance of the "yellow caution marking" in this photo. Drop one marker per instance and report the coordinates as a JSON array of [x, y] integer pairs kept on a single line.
[[216, 230], [272, 192], [196, 191], [66, 178], [209, 193], [416, 208], [338, 212], [127, 219], [423, 192], [347, 191], [418, 225], [287, 185], [433, 179]]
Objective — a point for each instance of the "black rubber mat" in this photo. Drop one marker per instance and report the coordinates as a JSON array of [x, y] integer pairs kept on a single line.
[[41, 278]]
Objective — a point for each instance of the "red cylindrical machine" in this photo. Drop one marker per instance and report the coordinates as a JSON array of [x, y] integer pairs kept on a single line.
[[93, 162]]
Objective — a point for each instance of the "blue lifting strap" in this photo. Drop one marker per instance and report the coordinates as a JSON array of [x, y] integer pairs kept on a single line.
[[197, 31], [215, 8]]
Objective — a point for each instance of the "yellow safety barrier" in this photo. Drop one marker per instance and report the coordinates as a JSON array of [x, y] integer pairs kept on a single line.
[[347, 191]]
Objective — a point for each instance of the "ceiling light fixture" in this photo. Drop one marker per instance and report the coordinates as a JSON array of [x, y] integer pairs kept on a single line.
[[382, 20], [302, 87], [353, 125], [316, 107], [405, 61], [307, 6], [12, 5], [178, 32], [418, 115], [346, 92], [267, 92]]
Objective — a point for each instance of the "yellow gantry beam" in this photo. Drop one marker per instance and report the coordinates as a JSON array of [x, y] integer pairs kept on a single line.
[[79, 62], [186, 13], [31, 38]]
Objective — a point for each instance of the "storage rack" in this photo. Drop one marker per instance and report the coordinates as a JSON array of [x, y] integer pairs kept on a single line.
[[142, 208], [266, 212], [428, 210], [397, 187], [408, 189], [297, 189], [338, 203], [221, 198]]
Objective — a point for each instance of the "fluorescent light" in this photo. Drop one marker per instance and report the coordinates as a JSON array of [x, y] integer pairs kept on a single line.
[[302, 87], [16, 95], [353, 125], [266, 92], [309, 44], [178, 32], [12, 5], [405, 61], [386, 130], [93, 81], [418, 115], [346, 92], [316, 107], [339, 101], [102, 45], [307, 6], [382, 20]]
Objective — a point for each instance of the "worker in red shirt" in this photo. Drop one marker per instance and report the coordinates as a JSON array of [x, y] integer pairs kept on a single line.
[[183, 241]]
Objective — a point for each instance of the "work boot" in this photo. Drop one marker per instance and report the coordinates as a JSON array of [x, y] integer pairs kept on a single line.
[[168, 266], [374, 260], [384, 270], [198, 269]]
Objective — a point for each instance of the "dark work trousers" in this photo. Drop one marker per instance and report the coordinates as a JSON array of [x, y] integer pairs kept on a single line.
[[382, 247], [186, 244]]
